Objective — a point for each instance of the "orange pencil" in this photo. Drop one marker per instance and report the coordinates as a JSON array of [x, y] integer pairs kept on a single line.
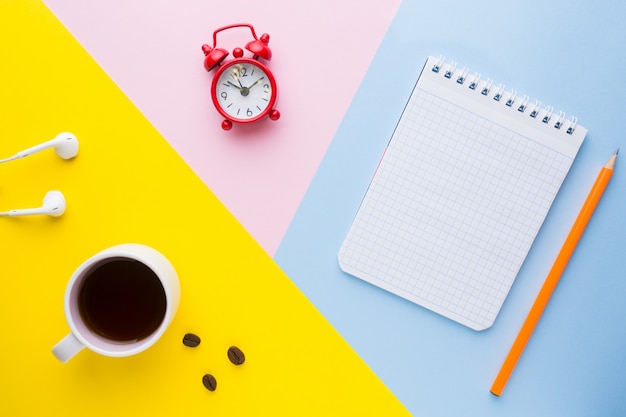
[[553, 277]]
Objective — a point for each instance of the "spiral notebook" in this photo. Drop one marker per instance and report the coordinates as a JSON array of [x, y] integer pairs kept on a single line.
[[460, 194]]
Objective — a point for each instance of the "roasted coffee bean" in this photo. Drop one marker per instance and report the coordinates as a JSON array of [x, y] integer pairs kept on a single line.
[[235, 355], [191, 340], [209, 382]]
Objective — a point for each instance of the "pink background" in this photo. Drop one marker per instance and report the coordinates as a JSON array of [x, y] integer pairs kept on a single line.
[[321, 51]]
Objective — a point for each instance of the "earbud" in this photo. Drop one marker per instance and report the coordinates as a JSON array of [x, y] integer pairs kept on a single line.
[[53, 205], [65, 145]]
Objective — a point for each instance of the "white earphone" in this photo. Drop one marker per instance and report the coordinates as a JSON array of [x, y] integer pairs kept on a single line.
[[53, 205], [65, 145]]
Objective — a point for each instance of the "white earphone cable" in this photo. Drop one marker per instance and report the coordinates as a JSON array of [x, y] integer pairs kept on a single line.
[[14, 157]]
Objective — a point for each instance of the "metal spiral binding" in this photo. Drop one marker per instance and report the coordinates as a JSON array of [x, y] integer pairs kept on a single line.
[[510, 99]]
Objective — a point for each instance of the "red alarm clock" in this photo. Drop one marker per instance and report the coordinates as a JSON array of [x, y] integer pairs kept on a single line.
[[243, 89]]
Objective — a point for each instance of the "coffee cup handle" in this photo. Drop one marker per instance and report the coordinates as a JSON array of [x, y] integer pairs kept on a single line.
[[67, 348]]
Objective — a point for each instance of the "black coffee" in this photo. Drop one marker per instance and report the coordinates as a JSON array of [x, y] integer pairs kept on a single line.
[[122, 299]]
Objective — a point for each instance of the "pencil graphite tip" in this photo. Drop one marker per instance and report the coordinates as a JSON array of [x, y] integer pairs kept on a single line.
[[611, 162]]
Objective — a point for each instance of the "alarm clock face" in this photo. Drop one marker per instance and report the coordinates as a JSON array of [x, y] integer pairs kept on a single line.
[[244, 90]]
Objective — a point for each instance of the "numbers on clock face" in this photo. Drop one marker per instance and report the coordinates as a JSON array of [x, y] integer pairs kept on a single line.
[[244, 91]]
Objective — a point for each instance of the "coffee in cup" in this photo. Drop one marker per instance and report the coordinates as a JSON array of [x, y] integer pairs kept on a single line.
[[119, 302]]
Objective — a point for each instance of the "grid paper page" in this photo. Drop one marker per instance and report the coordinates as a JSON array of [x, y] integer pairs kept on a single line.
[[453, 210]]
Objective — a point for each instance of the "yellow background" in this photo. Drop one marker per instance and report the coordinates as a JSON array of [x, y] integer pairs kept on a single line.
[[128, 185]]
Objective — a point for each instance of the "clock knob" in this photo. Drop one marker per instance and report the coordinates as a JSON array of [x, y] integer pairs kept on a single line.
[[259, 47], [213, 57]]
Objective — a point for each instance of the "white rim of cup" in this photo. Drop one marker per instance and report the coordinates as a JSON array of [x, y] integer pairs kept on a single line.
[[144, 254]]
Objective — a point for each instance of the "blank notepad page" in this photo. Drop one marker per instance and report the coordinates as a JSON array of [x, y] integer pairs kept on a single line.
[[461, 192]]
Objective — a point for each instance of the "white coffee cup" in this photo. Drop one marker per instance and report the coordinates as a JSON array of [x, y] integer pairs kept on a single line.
[[119, 302]]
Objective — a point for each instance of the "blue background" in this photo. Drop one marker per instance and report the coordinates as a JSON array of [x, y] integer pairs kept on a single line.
[[570, 55]]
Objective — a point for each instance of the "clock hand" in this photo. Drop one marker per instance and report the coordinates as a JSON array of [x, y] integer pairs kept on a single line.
[[256, 82], [233, 84], [235, 74], [243, 90]]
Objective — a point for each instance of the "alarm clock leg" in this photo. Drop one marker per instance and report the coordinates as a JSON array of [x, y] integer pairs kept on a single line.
[[227, 125]]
